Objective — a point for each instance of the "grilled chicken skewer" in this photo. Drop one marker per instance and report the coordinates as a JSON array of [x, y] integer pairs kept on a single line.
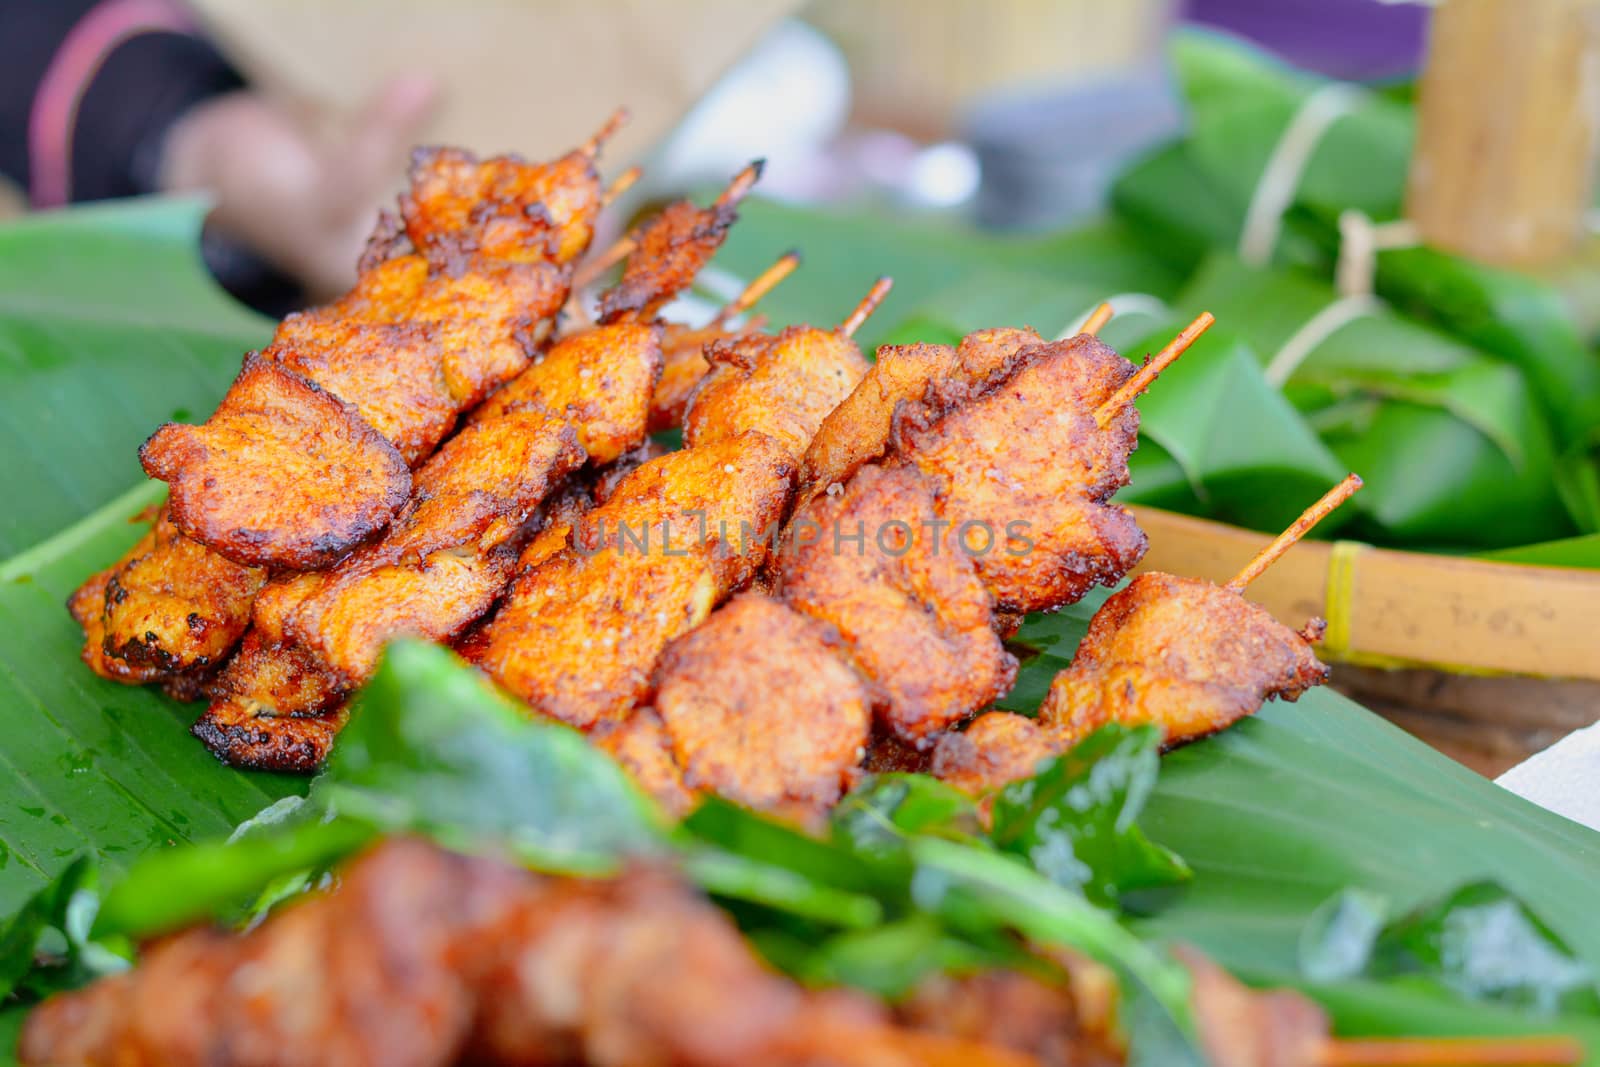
[[683, 347], [428, 330], [1182, 654], [454, 548], [579, 635], [878, 605], [308, 454]]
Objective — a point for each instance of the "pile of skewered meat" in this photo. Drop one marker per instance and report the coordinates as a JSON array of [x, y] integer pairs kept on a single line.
[[819, 582], [419, 957]]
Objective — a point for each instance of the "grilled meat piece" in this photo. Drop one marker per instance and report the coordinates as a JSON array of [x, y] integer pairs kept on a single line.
[[873, 562], [578, 636], [760, 708]]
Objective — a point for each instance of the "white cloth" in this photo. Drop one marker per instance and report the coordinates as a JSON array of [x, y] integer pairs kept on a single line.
[[1564, 778]]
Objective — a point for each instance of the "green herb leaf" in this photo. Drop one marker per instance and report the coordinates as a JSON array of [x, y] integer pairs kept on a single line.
[[891, 959], [1337, 941], [1075, 820], [175, 887], [431, 748], [1480, 941], [46, 912], [977, 890], [885, 809]]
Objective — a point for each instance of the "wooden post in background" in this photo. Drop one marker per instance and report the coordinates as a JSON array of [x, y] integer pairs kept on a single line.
[[1508, 128]]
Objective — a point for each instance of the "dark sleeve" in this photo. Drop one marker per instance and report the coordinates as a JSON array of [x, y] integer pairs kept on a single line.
[[141, 88], [30, 33]]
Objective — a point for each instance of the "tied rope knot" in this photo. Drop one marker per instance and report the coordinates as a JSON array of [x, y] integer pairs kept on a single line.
[[1360, 239]]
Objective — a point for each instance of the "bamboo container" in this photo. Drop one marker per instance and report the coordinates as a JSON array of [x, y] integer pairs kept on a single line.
[[1508, 129]]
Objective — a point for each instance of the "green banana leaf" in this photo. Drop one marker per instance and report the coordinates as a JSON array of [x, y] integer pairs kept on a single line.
[[1273, 817], [1568, 552], [1451, 443], [1193, 195], [109, 326], [842, 252]]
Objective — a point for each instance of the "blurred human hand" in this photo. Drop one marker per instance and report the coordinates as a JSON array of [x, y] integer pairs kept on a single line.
[[303, 200]]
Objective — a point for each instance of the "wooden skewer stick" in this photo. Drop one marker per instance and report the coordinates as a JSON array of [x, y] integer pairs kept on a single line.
[[618, 119], [1297, 529], [1452, 1052], [1097, 320], [624, 182], [741, 184], [597, 266], [764, 283], [894, 1044], [1153, 366], [868, 305]]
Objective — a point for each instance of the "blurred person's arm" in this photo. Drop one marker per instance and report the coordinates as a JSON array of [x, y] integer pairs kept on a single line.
[[304, 203], [124, 97]]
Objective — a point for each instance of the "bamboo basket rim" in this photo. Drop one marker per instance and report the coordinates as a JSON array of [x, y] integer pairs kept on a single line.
[[1393, 608]]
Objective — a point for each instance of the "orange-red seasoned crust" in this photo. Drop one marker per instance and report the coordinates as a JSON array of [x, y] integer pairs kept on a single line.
[[282, 474], [389, 372], [87, 607], [671, 250], [411, 350], [600, 380], [760, 708], [640, 745], [1182, 654], [359, 975], [243, 725], [488, 321], [171, 605], [348, 623], [872, 561], [481, 486], [1022, 471], [783, 386], [445, 560], [998, 747], [1067, 1022], [424, 336], [858, 429], [504, 208], [682, 368], [578, 636], [985, 353]]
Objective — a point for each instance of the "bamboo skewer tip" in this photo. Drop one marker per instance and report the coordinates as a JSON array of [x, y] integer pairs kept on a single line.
[[741, 184], [608, 129], [1153, 366], [868, 305], [1297, 529], [758, 288], [1097, 319], [622, 184], [588, 272], [1554, 1051]]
